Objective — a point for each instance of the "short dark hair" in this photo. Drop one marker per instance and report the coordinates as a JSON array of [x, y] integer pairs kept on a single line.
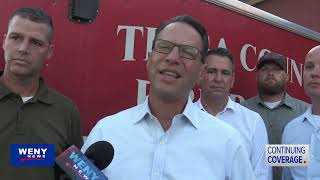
[[36, 15], [194, 23], [223, 52]]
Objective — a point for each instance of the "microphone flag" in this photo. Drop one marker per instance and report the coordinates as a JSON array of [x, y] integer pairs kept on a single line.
[[78, 166]]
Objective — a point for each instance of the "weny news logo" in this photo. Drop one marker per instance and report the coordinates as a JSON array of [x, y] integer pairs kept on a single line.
[[78, 166], [287, 154], [32, 154]]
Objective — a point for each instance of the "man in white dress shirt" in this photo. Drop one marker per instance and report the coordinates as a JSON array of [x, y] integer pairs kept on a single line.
[[167, 137], [305, 129], [217, 78]]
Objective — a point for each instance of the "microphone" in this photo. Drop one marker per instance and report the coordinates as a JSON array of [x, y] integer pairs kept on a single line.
[[78, 166], [100, 153]]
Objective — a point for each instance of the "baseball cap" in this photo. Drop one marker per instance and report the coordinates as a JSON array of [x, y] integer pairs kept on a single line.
[[279, 59]]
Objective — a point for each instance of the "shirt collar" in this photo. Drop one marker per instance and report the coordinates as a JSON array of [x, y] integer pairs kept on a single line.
[[4, 91], [143, 110], [307, 115], [188, 112], [229, 106], [41, 95], [287, 100]]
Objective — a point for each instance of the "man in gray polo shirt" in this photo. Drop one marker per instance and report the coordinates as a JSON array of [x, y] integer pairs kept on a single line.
[[273, 103]]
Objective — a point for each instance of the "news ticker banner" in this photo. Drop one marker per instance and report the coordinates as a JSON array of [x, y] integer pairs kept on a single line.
[[76, 162], [287, 154], [78, 166], [32, 154]]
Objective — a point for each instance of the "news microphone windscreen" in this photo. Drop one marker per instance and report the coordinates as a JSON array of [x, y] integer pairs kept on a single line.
[[101, 152], [77, 165]]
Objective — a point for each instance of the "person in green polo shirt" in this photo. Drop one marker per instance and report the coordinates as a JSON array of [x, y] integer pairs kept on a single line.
[[30, 112]]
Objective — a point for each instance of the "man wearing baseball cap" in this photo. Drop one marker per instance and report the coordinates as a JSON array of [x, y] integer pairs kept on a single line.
[[273, 103]]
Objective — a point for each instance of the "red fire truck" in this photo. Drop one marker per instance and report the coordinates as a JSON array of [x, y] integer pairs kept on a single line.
[[101, 47]]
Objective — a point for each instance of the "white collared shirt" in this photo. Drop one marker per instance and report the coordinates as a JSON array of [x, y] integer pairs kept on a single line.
[[303, 130], [196, 146], [253, 132]]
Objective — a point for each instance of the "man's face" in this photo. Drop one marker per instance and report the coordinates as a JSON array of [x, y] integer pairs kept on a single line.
[[217, 78], [172, 76], [311, 74], [271, 79], [26, 47]]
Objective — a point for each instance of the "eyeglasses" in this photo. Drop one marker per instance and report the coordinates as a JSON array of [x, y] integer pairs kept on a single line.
[[185, 51]]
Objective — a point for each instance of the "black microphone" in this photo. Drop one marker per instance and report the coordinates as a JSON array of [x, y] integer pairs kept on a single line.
[[100, 153], [78, 166]]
